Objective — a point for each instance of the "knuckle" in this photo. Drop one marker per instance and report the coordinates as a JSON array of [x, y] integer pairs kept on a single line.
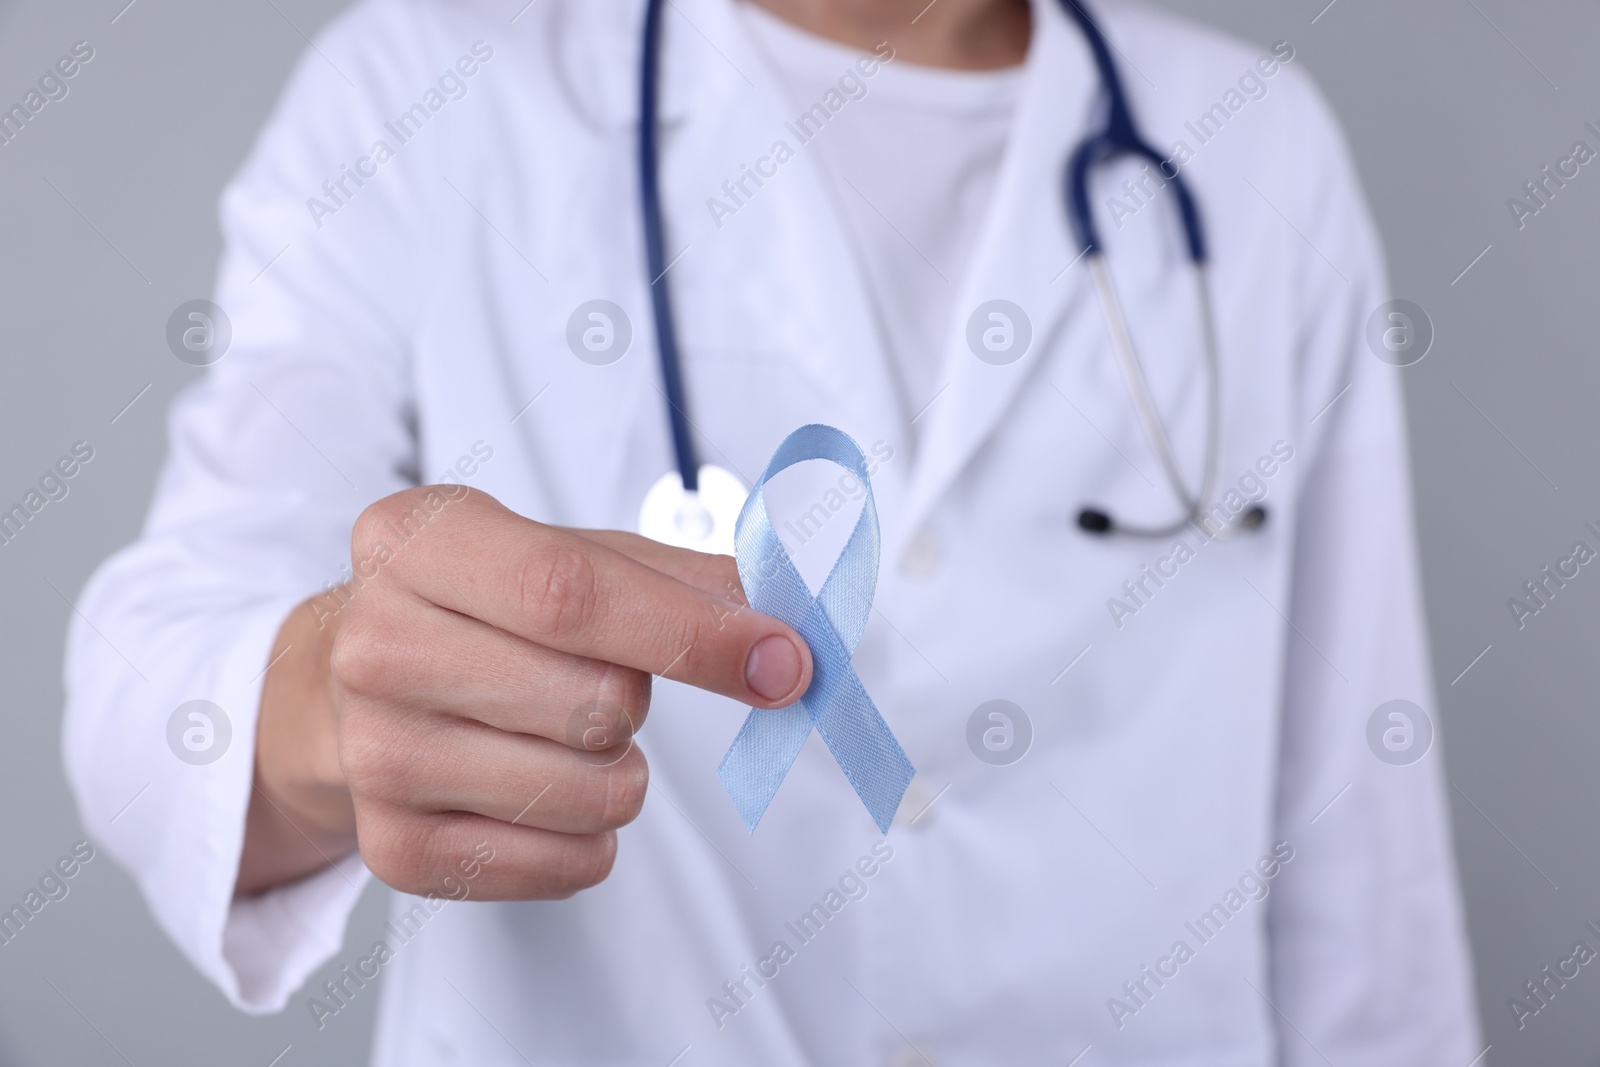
[[401, 851], [584, 863], [385, 525], [370, 758], [627, 692], [557, 587], [369, 655], [377, 517], [694, 638], [729, 584], [626, 783], [363, 534]]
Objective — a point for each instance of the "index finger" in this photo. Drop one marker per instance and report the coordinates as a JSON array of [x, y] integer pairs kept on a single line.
[[714, 574], [564, 591]]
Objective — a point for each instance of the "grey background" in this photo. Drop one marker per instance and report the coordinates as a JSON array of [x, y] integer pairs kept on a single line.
[[108, 222]]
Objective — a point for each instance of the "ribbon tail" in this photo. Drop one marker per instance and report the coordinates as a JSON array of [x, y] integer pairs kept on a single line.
[[851, 725], [866, 750], [760, 757]]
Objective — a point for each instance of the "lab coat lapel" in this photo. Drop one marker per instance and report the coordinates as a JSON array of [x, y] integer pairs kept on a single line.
[[776, 279], [1025, 255]]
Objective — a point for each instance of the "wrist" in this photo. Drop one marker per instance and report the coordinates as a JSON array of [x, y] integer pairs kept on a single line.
[[300, 815]]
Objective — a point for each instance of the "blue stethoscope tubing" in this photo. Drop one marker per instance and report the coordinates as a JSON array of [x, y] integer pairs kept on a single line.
[[1119, 137], [655, 252]]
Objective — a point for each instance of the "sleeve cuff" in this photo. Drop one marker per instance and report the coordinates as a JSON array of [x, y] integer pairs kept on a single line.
[[273, 942], [258, 950]]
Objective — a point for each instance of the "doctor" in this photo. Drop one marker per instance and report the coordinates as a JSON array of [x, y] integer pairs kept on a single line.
[[387, 557]]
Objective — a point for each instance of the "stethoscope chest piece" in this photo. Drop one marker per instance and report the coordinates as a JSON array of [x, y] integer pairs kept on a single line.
[[702, 520]]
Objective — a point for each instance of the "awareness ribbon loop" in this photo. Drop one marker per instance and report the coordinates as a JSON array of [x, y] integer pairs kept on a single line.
[[836, 704]]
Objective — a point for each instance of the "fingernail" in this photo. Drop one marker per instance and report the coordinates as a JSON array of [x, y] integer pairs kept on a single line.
[[773, 669]]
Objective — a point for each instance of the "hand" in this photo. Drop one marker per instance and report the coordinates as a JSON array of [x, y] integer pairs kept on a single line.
[[484, 685]]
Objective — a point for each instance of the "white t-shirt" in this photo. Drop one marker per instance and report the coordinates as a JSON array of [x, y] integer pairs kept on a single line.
[[912, 165]]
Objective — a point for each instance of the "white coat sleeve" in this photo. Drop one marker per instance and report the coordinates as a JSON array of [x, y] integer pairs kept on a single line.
[[1370, 961], [274, 451]]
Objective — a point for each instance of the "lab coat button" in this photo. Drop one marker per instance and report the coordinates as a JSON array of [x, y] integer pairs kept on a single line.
[[923, 555]]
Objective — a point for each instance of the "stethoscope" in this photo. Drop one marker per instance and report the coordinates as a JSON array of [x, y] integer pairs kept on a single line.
[[697, 505]]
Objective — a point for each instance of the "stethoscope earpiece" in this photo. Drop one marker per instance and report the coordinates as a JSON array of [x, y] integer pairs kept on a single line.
[[1095, 521]]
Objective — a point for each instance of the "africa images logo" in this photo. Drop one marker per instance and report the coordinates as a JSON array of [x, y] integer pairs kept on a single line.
[[198, 732]]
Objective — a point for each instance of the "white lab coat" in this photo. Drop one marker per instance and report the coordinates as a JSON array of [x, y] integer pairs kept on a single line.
[[1226, 715]]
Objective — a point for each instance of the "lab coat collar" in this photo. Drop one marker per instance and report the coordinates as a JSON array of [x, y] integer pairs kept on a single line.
[[716, 88], [1025, 255], [717, 84]]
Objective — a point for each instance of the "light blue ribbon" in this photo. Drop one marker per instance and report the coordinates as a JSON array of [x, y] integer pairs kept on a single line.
[[836, 704]]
